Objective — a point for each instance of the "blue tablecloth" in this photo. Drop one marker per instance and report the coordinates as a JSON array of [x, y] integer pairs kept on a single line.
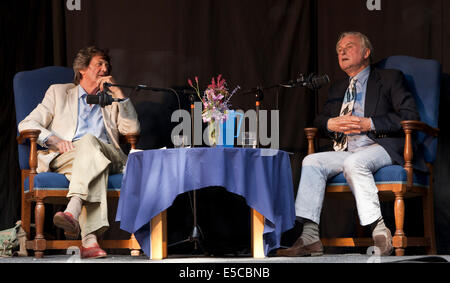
[[154, 178]]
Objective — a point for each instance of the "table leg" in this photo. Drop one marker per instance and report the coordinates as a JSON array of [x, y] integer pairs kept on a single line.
[[158, 236], [134, 246], [257, 222]]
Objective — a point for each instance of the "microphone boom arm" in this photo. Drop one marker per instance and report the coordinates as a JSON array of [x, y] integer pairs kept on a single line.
[[145, 87], [312, 82]]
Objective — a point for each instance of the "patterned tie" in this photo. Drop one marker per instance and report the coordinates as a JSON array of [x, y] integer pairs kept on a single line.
[[340, 139]]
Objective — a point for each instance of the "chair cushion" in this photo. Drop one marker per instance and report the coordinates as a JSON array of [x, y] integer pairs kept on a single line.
[[394, 174], [50, 181]]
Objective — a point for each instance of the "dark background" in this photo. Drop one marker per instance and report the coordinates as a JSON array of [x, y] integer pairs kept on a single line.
[[252, 43]]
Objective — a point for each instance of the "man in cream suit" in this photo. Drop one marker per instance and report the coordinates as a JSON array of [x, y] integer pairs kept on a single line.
[[82, 142]]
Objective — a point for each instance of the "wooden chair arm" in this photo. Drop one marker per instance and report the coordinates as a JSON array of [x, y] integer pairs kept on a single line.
[[132, 139], [408, 128], [311, 134], [28, 134], [420, 126], [32, 135]]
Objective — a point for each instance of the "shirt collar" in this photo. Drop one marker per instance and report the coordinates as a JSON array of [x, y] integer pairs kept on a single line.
[[81, 91], [363, 76]]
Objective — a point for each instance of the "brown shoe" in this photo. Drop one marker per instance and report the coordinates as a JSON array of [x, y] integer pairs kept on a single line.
[[68, 223], [383, 243], [298, 249]]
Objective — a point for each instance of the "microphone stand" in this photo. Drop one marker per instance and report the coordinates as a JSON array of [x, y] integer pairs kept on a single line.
[[259, 94], [259, 97], [195, 234], [195, 230]]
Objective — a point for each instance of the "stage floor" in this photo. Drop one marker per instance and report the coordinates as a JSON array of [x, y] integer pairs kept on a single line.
[[183, 259]]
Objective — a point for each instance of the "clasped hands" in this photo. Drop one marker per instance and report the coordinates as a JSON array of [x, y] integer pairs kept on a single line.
[[349, 124]]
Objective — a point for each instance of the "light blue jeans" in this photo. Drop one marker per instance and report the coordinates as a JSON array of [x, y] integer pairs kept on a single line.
[[358, 168]]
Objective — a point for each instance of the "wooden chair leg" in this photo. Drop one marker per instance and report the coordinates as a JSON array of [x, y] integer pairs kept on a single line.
[[39, 240], [25, 212], [26, 217], [399, 239], [428, 222]]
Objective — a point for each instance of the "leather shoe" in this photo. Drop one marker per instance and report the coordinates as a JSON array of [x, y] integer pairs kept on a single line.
[[299, 249], [68, 223], [383, 243], [92, 252]]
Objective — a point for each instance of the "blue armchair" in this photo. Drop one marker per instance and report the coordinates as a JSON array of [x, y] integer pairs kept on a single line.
[[399, 182], [49, 187]]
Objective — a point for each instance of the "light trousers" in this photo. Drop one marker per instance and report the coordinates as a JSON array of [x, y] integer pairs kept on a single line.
[[358, 168], [87, 167]]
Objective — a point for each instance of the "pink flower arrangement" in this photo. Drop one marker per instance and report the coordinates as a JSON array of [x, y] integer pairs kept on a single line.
[[215, 99]]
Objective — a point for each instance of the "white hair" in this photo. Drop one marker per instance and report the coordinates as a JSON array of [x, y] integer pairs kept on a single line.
[[365, 42]]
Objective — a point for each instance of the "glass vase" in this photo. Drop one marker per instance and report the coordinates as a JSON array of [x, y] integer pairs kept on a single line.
[[213, 133]]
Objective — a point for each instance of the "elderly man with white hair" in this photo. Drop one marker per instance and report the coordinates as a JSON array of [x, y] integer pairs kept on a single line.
[[362, 115]]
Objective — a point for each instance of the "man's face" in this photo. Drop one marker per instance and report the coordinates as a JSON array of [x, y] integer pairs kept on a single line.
[[98, 67], [351, 54]]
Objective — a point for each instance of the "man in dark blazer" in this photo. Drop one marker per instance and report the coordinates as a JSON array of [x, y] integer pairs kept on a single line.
[[362, 115]]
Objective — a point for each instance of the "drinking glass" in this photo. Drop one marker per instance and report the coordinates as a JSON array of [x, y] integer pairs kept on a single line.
[[180, 141], [249, 140]]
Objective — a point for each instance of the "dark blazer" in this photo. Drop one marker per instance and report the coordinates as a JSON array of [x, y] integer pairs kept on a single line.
[[388, 101]]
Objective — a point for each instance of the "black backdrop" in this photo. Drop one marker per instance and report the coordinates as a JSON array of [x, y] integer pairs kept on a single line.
[[252, 43]]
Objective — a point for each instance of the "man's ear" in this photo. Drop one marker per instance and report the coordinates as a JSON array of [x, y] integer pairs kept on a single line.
[[82, 72], [367, 54]]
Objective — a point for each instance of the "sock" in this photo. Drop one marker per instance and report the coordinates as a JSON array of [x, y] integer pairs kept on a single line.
[[310, 232], [89, 240], [378, 227], [74, 206]]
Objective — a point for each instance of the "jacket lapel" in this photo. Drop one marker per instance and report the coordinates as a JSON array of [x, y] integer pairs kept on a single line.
[[73, 103], [106, 113], [372, 93], [341, 89]]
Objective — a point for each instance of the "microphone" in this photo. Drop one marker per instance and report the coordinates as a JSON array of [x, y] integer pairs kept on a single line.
[[312, 81], [317, 82], [188, 91], [103, 99]]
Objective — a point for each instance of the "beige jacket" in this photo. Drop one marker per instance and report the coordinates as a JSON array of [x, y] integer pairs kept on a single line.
[[57, 114]]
